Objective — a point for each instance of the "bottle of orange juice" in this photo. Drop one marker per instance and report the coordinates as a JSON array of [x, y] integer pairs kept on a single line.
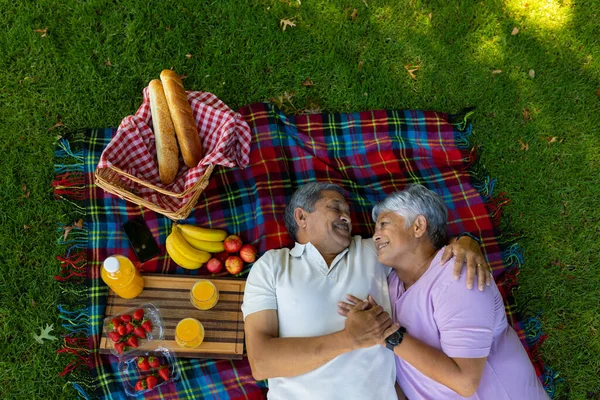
[[119, 273]]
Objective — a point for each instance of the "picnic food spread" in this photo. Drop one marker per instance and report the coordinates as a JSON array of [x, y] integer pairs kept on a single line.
[[174, 131]]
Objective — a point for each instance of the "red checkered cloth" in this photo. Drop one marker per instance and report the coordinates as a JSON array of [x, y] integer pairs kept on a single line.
[[225, 137]]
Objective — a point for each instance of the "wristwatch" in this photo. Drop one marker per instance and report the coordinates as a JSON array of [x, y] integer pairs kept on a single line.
[[395, 338]]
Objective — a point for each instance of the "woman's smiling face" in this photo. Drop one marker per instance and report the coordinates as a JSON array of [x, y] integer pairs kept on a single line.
[[392, 238]]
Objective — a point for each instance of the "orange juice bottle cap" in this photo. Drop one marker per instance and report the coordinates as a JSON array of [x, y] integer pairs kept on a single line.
[[111, 264]]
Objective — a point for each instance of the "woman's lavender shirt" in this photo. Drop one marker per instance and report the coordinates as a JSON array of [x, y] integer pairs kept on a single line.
[[462, 323]]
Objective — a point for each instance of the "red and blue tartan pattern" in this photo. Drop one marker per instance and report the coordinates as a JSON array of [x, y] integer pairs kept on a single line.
[[370, 154]]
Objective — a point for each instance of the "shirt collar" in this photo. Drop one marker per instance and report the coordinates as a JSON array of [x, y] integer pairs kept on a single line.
[[298, 250]]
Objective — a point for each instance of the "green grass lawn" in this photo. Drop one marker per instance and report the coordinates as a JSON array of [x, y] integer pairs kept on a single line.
[[90, 67]]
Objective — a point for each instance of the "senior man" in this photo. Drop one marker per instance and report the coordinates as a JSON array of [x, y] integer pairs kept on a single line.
[[294, 336]]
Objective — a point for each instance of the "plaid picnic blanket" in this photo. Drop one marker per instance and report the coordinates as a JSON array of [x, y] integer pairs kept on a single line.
[[370, 154]]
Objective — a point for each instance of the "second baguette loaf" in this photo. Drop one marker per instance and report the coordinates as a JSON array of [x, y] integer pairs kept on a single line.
[[164, 133], [183, 119]]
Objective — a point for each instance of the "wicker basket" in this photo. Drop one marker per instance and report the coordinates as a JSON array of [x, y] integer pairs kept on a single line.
[[113, 180]]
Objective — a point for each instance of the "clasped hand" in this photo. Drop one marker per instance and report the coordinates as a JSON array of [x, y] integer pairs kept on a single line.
[[367, 324]]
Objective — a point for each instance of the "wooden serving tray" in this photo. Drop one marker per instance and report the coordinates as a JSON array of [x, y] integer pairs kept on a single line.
[[223, 324]]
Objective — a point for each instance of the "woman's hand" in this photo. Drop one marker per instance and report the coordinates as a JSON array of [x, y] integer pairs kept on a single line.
[[467, 249], [345, 308]]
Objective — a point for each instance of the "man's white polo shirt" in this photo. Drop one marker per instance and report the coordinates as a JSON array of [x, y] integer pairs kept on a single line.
[[304, 291]]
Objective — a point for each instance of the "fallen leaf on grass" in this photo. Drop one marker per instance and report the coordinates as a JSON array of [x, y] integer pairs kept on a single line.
[[68, 229], [430, 16], [56, 125], [361, 63], [188, 55], [526, 115], [45, 334], [307, 82], [496, 71], [411, 69], [353, 15], [598, 92], [312, 108], [285, 23], [366, 5], [524, 146], [532, 73], [281, 100], [26, 192], [551, 139], [515, 31], [44, 31], [25, 227], [108, 63]]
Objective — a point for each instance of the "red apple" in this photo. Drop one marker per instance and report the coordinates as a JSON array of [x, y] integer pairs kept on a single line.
[[248, 253], [214, 265], [232, 243], [234, 265], [222, 256]]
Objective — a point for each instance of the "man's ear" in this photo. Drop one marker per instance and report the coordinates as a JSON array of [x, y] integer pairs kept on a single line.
[[300, 217], [420, 226]]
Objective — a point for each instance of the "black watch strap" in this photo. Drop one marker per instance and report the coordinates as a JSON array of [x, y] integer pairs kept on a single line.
[[395, 338]]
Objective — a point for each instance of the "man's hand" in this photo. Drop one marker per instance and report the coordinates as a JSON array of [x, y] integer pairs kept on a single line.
[[467, 249], [367, 324]]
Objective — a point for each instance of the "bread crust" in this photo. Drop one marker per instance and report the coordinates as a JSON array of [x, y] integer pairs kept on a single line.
[[167, 150], [183, 119]]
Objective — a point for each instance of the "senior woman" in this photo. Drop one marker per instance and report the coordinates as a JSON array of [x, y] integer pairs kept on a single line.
[[452, 342]]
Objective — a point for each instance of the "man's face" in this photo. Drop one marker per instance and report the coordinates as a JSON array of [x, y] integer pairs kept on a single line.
[[392, 239], [329, 227]]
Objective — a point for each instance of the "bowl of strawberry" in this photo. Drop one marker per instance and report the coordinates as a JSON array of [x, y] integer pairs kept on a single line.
[[129, 329], [144, 371]]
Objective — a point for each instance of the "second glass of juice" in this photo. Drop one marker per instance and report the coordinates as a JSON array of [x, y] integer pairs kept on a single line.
[[204, 294], [189, 333]]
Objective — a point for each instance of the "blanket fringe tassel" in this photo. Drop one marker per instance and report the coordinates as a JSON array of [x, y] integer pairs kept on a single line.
[[512, 254], [69, 186]]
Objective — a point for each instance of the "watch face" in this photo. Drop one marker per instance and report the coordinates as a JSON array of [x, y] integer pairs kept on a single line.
[[394, 338]]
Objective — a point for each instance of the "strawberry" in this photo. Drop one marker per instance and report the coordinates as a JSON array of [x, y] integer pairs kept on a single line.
[[164, 373], [121, 330], [129, 328], [114, 336], [147, 325], [143, 364], [138, 314], [120, 347], [114, 324], [132, 341], [140, 385], [139, 332], [154, 362], [151, 381], [126, 318]]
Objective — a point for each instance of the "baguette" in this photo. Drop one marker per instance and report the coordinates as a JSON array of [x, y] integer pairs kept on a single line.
[[183, 119], [164, 133]]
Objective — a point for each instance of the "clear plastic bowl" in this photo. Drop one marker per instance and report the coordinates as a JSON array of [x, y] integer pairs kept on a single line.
[[152, 313], [131, 373]]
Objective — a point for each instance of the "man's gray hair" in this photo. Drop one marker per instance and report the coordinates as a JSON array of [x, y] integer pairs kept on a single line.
[[418, 200], [305, 197]]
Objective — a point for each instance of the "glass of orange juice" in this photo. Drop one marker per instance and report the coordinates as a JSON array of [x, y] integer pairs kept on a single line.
[[189, 333], [204, 294]]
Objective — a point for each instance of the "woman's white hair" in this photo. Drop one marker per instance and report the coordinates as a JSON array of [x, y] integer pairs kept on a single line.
[[417, 200]]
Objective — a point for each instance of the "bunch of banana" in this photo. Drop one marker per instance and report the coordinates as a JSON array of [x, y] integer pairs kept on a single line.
[[190, 246]]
